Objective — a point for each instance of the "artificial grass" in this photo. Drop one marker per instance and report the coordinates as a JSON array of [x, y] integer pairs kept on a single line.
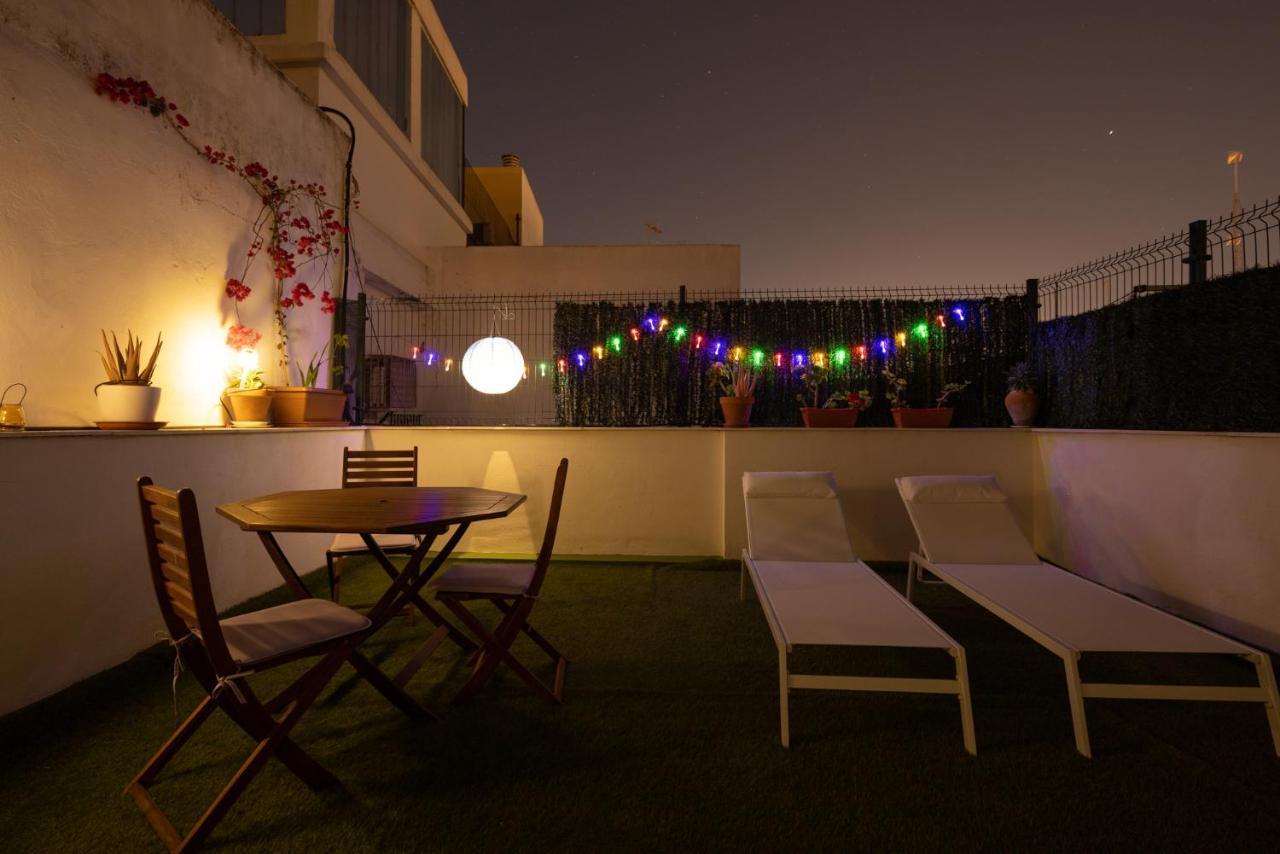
[[668, 739]]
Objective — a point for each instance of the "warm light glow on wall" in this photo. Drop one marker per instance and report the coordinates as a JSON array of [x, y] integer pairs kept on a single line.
[[203, 363]]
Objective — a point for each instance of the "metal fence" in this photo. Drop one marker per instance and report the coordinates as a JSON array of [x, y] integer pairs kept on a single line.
[[1205, 249], [413, 348]]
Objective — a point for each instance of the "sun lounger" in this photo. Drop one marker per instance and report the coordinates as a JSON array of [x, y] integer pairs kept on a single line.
[[969, 539], [815, 591]]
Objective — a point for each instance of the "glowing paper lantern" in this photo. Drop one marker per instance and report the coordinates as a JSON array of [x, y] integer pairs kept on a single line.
[[493, 365]]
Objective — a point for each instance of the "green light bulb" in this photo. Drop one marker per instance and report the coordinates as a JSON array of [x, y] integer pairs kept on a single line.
[[757, 358], [679, 332], [616, 343], [922, 330], [840, 356]]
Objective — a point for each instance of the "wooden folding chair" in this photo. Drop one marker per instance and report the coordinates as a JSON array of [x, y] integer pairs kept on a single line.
[[371, 468], [513, 589], [222, 653], [384, 468]]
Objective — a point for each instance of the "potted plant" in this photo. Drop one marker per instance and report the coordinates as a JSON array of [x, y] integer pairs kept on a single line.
[[840, 408], [247, 394], [127, 399], [1022, 402], [304, 405], [938, 415], [737, 383]]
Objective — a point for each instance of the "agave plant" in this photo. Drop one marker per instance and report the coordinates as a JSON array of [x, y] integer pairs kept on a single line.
[[124, 367]]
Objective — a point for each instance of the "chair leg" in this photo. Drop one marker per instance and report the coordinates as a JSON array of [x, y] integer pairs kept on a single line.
[[332, 569], [1071, 662], [497, 649], [966, 702], [175, 742], [1267, 680]]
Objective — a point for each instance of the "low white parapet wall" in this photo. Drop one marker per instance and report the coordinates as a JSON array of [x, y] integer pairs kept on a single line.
[[1182, 520]]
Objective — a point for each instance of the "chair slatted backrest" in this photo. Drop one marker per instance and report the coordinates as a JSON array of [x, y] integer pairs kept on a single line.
[[549, 536], [379, 468], [179, 573]]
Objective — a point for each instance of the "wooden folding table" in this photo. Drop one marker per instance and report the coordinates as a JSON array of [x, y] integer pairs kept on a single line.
[[426, 511]]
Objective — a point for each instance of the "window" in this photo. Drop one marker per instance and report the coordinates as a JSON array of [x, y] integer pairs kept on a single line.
[[254, 17], [373, 36], [443, 120]]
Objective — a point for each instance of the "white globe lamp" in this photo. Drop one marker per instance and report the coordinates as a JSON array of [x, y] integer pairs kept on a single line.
[[493, 365]]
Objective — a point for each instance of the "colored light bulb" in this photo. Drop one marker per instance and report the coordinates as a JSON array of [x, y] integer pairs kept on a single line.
[[542, 369], [652, 323], [697, 341], [820, 359], [797, 360], [884, 346], [959, 313], [942, 322], [922, 330], [737, 354], [862, 352], [663, 324], [582, 360], [598, 351], [717, 348], [840, 356], [448, 364], [679, 333], [635, 333], [563, 365], [616, 343], [902, 339], [777, 360], [757, 358], [431, 358]]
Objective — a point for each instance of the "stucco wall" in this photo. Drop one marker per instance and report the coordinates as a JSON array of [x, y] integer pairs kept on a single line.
[[1186, 521], [77, 597], [1182, 521], [108, 220]]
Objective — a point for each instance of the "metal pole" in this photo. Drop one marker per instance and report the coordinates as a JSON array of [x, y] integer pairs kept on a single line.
[[1033, 319], [1197, 259], [362, 308]]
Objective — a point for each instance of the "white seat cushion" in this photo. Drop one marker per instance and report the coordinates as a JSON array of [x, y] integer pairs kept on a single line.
[[500, 579], [788, 484], [353, 543], [277, 631]]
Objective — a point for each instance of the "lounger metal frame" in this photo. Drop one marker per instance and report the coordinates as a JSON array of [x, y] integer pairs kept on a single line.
[[959, 687], [1078, 690]]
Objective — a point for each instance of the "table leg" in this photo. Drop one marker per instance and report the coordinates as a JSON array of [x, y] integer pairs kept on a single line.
[[283, 566], [417, 580]]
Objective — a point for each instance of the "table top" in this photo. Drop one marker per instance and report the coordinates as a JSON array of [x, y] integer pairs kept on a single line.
[[370, 510]]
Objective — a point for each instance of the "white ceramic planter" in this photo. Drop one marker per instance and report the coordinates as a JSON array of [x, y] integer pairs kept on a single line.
[[135, 404]]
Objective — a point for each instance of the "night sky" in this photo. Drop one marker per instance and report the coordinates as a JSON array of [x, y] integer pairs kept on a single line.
[[866, 144]]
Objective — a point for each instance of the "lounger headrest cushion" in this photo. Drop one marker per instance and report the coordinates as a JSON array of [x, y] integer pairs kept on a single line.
[[788, 484], [952, 489]]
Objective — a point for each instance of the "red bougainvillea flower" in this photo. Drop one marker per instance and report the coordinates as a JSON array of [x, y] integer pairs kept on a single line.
[[238, 290], [327, 303], [301, 292], [287, 303], [243, 338]]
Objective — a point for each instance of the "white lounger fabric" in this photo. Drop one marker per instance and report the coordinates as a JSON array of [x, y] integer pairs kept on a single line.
[[838, 604], [815, 592], [966, 528]]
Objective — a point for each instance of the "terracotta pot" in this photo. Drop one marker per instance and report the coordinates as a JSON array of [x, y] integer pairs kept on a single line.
[[829, 416], [250, 406], [932, 416], [1023, 406], [297, 406], [737, 411], [130, 403]]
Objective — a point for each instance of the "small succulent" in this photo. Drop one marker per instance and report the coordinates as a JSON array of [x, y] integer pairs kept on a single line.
[[1022, 378], [124, 367]]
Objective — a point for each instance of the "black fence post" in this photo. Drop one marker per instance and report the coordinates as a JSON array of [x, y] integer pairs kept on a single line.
[[1197, 252], [361, 375], [1033, 319]]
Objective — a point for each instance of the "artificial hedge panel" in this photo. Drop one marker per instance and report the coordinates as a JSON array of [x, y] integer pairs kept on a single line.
[[1202, 357], [661, 381]]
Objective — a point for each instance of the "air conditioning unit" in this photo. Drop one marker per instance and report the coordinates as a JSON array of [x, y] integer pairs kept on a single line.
[[390, 382]]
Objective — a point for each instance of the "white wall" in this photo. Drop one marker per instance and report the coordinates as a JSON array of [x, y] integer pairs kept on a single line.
[[1185, 521], [77, 596], [107, 219]]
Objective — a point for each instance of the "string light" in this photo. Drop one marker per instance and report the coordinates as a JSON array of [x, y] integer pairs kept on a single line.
[[861, 350], [840, 356], [716, 348], [777, 360], [431, 358], [598, 351], [562, 365], [819, 359], [448, 363], [922, 330], [757, 358], [884, 346], [942, 322], [797, 360], [663, 324], [697, 341], [652, 323], [678, 333], [581, 359], [902, 339], [737, 354], [616, 343], [959, 313], [635, 333], [526, 371], [415, 352], [542, 369]]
